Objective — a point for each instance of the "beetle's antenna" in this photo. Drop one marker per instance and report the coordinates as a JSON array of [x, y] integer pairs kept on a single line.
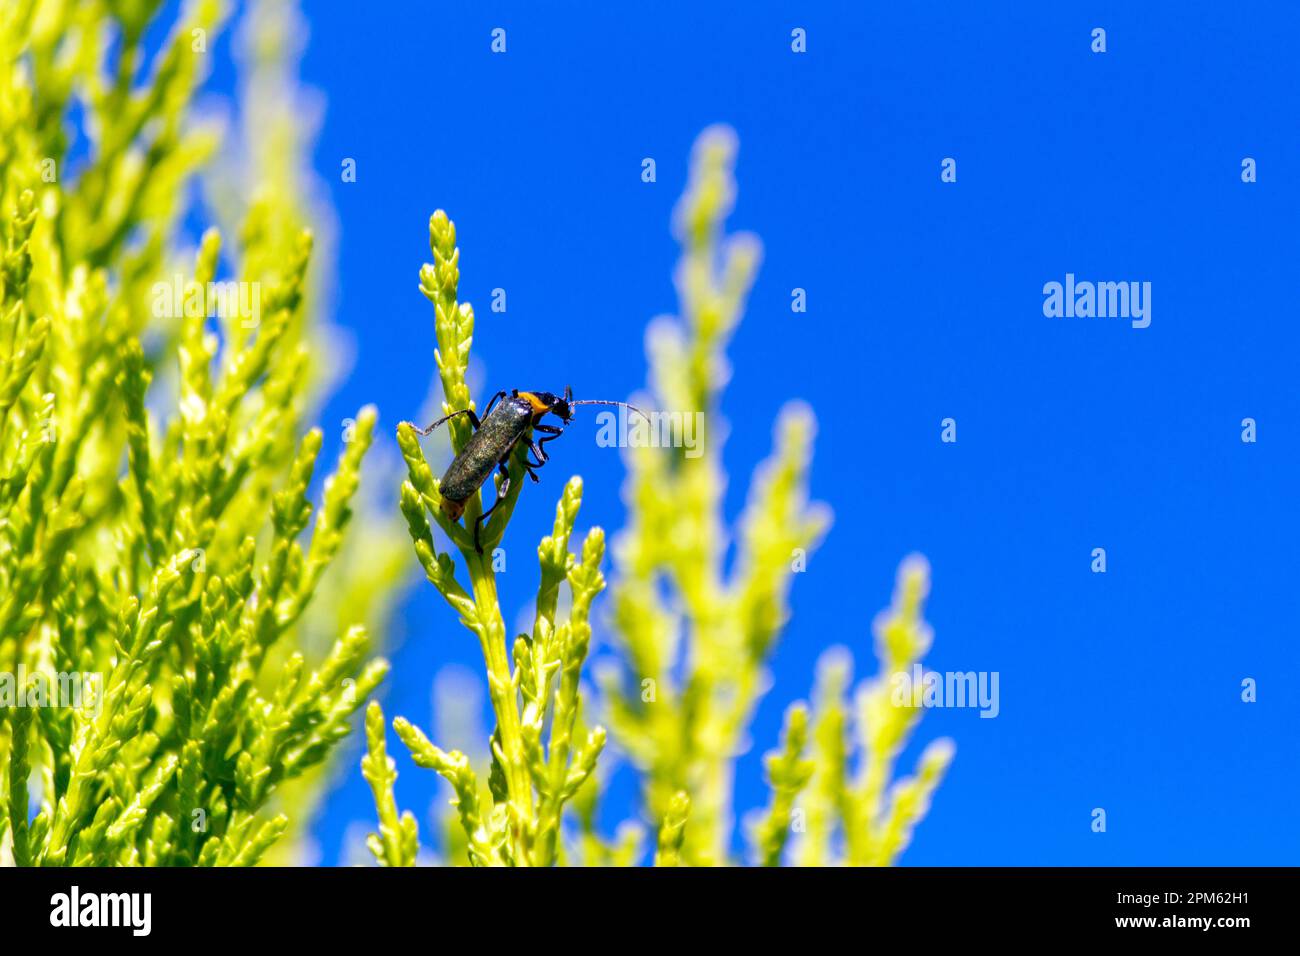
[[445, 418], [597, 401]]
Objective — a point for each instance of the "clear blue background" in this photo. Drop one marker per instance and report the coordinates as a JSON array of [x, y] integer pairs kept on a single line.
[[1119, 691]]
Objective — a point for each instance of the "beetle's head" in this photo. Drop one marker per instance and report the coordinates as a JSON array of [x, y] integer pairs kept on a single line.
[[561, 408]]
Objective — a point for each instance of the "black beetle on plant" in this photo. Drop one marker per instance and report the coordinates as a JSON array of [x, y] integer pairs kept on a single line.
[[503, 426]]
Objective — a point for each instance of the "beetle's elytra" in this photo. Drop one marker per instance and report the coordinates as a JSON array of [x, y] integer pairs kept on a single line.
[[506, 422]]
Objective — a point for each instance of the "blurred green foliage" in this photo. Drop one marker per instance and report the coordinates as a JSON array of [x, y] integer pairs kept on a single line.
[[158, 537]]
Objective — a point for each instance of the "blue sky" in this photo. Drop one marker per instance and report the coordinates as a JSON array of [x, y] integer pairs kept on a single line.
[[925, 301]]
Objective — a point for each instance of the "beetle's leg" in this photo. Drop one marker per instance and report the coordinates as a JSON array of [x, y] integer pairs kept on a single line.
[[551, 433], [502, 491], [541, 451], [529, 464], [473, 420]]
